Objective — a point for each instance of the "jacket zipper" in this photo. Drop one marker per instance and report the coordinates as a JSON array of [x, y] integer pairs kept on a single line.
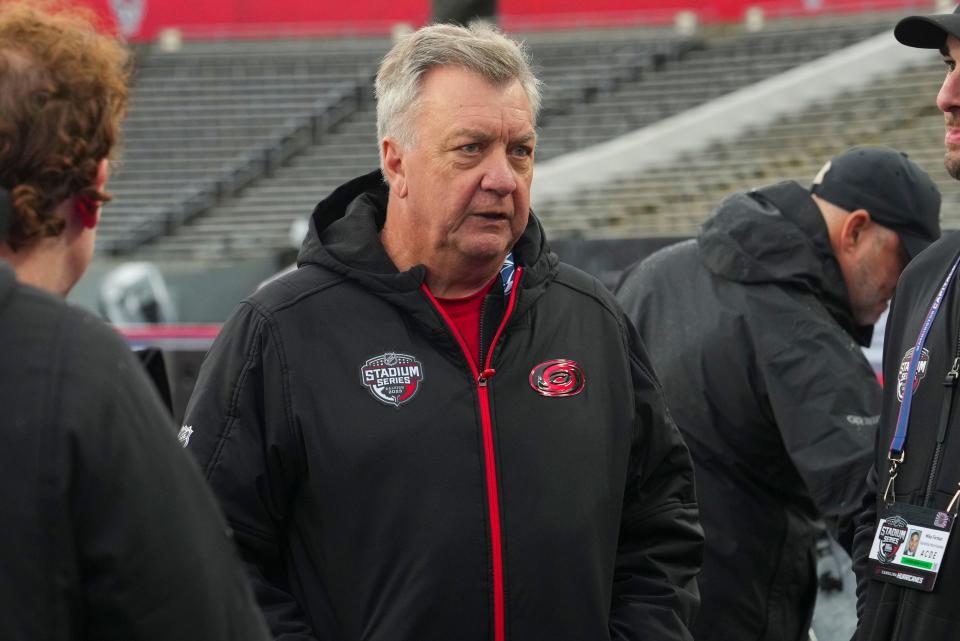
[[483, 315], [950, 382], [482, 377]]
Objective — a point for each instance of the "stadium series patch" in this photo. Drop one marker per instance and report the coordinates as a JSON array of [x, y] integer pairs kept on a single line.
[[905, 367], [392, 378]]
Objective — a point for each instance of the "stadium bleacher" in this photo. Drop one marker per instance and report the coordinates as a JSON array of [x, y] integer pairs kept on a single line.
[[203, 116], [675, 197], [259, 219], [229, 143], [721, 64]]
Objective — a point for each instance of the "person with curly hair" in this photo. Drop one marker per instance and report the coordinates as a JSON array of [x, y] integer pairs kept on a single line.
[[64, 95], [108, 528]]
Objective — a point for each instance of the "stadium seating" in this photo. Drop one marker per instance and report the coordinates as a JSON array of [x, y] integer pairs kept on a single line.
[[260, 218], [229, 143], [722, 64], [214, 115], [674, 198]]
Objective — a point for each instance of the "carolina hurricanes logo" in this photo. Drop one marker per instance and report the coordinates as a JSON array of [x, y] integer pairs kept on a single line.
[[905, 369], [392, 378], [559, 377]]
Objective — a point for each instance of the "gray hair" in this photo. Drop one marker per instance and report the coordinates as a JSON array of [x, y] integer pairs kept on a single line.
[[480, 48]]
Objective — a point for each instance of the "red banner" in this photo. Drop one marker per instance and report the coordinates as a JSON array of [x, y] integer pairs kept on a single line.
[[524, 14], [142, 19]]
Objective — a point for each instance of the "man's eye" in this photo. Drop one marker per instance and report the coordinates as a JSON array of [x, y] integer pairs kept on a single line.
[[522, 151], [470, 148], [950, 64]]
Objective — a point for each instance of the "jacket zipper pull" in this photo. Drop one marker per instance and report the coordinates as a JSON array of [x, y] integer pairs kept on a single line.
[[953, 374], [950, 382], [485, 375]]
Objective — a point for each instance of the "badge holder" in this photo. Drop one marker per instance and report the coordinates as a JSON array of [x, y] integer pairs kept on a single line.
[[910, 542]]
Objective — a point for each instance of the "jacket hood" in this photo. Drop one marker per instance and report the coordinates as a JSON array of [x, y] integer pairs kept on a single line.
[[344, 236], [777, 235]]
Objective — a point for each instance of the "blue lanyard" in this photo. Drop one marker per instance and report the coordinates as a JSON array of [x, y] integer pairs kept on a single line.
[[903, 418]]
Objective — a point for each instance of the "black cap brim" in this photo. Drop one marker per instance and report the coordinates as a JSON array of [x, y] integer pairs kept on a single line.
[[913, 244], [927, 32]]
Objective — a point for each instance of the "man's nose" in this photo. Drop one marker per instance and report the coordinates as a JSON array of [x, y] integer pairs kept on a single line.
[[498, 175], [948, 100]]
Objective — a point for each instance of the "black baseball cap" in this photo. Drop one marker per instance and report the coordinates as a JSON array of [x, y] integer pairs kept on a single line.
[[928, 32], [891, 187]]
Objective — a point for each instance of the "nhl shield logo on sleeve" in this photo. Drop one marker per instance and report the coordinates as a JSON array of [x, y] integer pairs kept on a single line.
[[392, 378]]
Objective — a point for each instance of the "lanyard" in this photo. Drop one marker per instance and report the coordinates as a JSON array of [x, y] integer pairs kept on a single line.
[[903, 418]]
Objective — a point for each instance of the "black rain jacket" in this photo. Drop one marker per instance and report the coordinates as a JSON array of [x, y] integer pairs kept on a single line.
[[750, 332], [888, 612], [447, 503], [108, 531]]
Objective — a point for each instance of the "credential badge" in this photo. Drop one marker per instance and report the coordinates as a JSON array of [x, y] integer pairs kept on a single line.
[[392, 378]]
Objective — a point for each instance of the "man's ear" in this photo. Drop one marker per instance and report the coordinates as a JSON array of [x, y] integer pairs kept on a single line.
[[85, 208], [87, 211], [393, 167], [853, 228]]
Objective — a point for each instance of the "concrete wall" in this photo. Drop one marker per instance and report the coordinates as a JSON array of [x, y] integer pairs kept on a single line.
[[201, 292]]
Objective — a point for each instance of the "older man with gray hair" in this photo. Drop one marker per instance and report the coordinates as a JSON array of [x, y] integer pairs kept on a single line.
[[433, 429]]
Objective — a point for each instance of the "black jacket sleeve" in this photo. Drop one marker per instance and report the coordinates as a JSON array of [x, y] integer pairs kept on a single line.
[[243, 437], [155, 560], [655, 594], [828, 430]]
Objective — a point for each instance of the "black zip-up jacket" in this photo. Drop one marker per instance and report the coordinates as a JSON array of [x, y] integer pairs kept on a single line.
[[888, 612], [108, 531], [448, 503], [750, 332]]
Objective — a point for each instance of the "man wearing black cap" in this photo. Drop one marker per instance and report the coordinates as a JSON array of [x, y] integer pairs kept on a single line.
[[914, 479], [754, 329]]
